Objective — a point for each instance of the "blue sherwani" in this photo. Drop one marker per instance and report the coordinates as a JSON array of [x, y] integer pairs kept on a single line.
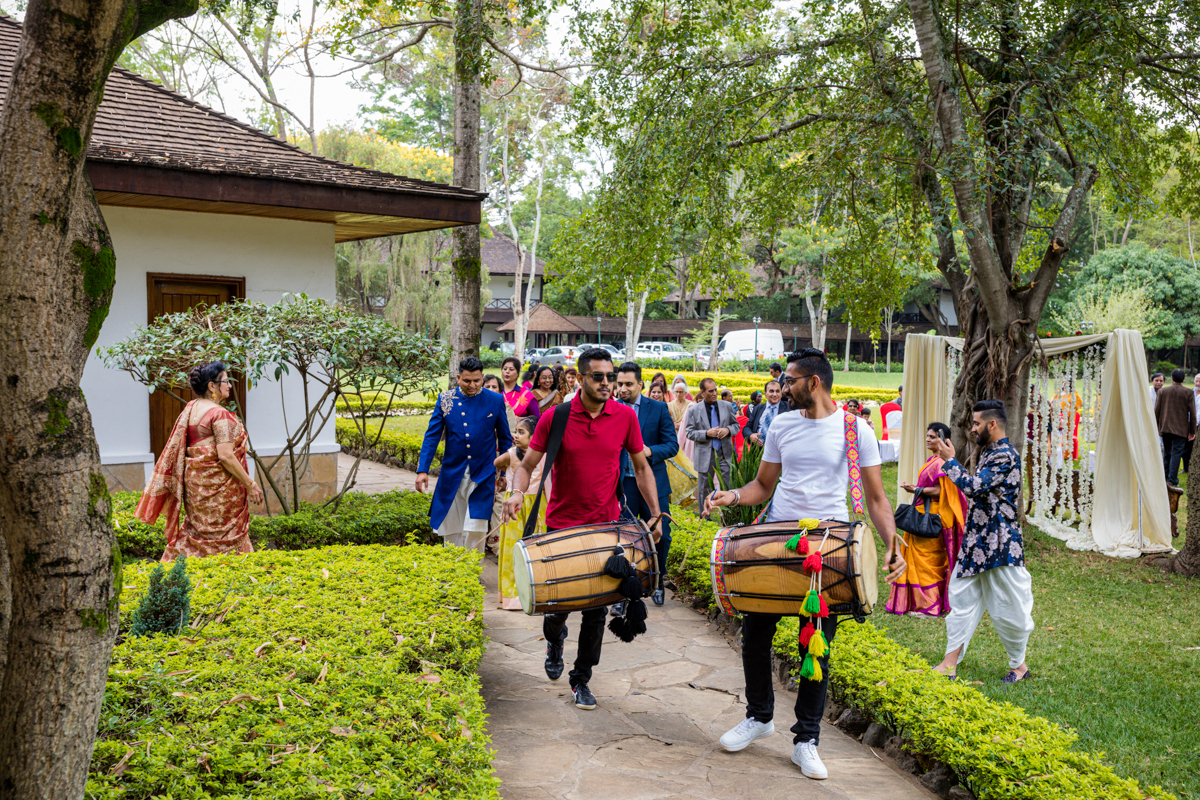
[[476, 428], [658, 433]]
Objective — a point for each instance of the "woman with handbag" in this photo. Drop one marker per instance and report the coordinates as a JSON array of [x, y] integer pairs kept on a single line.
[[932, 539]]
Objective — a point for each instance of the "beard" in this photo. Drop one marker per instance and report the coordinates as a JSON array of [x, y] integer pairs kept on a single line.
[[983, 438]]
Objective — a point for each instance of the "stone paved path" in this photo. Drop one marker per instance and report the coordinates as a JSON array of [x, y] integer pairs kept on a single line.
[[376, 478], [663, 701]]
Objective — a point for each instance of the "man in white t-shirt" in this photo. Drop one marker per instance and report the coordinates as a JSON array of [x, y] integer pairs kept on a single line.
[[804, 464]]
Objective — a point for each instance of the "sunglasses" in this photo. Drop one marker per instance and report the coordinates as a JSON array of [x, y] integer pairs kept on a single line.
[[602, 377]]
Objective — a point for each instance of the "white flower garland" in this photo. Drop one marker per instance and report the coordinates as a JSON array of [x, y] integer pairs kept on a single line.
[[1068, 385]]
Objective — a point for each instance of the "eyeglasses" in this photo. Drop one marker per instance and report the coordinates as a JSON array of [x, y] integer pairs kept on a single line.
[[788, 380], [602, 377]]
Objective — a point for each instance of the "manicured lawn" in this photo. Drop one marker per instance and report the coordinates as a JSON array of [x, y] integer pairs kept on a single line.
[[1110, 657], [869, 380], [415, 425]]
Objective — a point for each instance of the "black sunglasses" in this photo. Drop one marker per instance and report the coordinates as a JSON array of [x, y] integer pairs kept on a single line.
[[602, 377]]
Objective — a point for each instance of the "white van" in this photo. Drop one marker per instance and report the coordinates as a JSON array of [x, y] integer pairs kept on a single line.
[[739, 345]]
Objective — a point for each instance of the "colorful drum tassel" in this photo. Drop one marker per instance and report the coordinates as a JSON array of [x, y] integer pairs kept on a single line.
[[810, 669], [813, 563], [806, 634], [817, 646], [812, 604], [823, 608], [799, 543]]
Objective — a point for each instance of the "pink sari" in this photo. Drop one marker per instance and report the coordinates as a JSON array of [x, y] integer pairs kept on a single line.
[[922, 589], [523, 402], [190, 478]]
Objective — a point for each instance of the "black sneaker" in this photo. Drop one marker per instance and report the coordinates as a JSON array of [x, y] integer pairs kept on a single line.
[[660, 597], [617, 609], [554, 658], [584, 697]]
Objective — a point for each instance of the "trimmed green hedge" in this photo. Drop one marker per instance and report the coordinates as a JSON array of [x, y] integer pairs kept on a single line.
[[342, 672], [378, 403], [404, 447], [393, 517], [999, 751]]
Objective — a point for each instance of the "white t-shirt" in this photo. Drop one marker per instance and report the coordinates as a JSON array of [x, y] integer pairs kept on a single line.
[[814, 475]]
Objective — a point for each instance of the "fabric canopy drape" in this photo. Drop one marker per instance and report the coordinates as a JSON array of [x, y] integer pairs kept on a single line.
[[1127, 453]]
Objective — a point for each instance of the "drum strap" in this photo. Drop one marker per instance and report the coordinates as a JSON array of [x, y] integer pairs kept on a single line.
[[558, 426], [856, 490]]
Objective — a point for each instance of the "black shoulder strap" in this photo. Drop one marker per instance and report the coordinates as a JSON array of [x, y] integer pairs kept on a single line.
[[558, 426]]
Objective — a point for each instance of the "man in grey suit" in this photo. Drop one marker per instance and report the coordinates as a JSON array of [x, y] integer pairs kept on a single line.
[[711, 424]]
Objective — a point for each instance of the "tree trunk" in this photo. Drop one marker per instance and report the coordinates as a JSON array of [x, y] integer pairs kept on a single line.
[[890, 325], [846, 363], [465, 260], [630, 321], [641, 315], [60, 575], [1187, 560], [713, 360]]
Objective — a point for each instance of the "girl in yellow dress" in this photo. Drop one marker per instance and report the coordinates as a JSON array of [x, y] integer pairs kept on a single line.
[[512, 530]]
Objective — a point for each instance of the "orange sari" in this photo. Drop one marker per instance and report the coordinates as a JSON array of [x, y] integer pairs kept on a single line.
[[923, 588], [189, 478]]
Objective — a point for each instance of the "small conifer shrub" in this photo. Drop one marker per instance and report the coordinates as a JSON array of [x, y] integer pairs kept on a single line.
[[166, 606]]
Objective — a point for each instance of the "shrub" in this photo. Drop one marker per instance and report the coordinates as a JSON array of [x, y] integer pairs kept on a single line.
[[1166, 368], [404, 447], [345, 672], [135, 538], [378, 403], [167, 604], [393, 517], [999, 751]]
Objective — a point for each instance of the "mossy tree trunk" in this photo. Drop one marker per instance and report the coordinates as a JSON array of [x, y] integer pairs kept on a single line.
[[1187, 560], [60, 586], [466, 263]]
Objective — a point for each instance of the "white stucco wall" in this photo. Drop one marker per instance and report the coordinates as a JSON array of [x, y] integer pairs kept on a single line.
[[274, 256]]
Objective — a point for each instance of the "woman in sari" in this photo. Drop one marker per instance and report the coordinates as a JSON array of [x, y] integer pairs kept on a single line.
[[680, 472], [202, 473], [922, 589], [678, 380], [545, 388], [520, 400], [678, 408]]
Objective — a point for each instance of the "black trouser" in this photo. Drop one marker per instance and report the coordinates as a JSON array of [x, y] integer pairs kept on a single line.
[[591, 636], [758, 631], [637, 507], [1173, 447]]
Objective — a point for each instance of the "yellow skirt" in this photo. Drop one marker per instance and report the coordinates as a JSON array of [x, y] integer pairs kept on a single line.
[[510, 534], [683, 480]]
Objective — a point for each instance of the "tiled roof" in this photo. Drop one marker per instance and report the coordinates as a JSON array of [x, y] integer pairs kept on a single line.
[[142, 122], [499, 255], [544, 319], [185, 146]]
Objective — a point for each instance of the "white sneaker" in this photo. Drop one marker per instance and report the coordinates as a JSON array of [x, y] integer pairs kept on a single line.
[[747, 731], [804, 755]]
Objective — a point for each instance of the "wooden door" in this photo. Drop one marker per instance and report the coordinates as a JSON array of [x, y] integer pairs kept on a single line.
[[170, 294]]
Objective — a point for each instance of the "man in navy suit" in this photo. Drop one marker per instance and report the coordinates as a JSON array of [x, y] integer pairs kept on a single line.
[[661, 443]]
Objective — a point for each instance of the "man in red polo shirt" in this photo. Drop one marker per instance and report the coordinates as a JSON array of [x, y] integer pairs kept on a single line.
[[585, 476]]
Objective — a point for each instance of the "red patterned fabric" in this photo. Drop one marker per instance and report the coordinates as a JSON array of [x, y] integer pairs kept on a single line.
[[189, 477]]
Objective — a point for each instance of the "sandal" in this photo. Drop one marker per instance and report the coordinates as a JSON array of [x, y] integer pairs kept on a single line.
[[1011, 677]]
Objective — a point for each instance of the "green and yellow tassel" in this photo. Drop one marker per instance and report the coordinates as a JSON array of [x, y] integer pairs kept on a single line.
[[817, 645], [812, 604], [810, 669]]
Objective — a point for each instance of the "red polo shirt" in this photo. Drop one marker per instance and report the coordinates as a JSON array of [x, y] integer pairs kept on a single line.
[[584, 478]]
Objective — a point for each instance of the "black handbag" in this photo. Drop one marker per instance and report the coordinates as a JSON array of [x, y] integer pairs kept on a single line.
[[923, 525]]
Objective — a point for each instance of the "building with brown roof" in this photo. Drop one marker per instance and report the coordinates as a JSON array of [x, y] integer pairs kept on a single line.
[[499, 256], [203, 208]]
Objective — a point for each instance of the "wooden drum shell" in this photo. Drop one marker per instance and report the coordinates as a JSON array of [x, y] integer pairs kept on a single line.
[[752, 571], [564, 570]]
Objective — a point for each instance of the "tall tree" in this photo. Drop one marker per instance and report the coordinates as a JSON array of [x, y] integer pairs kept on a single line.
[[1013, 112], [60, 567]]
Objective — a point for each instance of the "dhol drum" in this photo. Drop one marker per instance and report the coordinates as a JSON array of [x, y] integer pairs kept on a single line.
[[564, 570], [752, 571]]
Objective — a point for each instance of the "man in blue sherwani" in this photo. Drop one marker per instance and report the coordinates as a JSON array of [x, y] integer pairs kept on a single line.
[[476, 427], [661, 443]]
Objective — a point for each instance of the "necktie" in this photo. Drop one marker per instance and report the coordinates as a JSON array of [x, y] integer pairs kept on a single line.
[[714, 420]]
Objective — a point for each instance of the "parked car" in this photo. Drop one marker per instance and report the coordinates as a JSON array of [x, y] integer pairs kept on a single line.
[[534, 354], [566, 355], [668, 350], [617, 354]]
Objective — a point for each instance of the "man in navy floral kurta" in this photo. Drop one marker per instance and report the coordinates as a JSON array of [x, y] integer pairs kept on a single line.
[[990, 574]]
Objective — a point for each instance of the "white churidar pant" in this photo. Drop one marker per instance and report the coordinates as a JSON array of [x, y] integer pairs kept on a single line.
[[1006, 593], [458, 527]]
